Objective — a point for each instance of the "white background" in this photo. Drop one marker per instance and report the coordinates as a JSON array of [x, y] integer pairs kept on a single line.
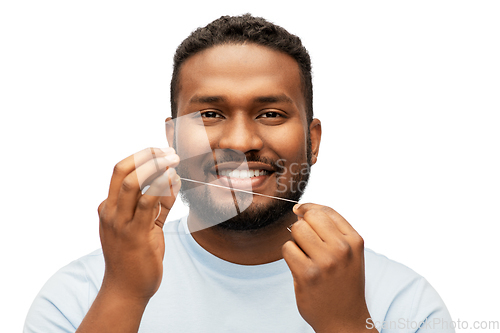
[[408, 94]]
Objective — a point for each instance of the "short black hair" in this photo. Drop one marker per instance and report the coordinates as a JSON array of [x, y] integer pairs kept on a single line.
[[238, 30]]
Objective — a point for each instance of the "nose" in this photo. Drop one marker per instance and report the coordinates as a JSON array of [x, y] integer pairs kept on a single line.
[[240, 134]]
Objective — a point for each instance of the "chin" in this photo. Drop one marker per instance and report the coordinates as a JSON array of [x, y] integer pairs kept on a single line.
[[229, 217], [258, 217]]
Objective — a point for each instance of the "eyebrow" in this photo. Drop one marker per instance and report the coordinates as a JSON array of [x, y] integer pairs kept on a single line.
[[260, 99], [274, 99], [206, 99]]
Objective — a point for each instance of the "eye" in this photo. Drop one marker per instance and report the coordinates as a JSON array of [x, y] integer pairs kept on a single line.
[[210, 114], [270, 114], [272, 118]]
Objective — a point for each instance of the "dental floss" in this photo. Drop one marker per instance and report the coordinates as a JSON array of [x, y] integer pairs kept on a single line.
[[235, 189]]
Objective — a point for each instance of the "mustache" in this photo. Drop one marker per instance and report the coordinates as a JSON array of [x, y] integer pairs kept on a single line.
[[225, 156]]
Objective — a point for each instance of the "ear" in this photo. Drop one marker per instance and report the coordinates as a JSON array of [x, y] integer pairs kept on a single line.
[[315, 130], [169, 130]]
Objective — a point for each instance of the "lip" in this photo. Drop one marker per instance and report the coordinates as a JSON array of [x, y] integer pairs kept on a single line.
[[241, 166], [253, 184], [248, 184]]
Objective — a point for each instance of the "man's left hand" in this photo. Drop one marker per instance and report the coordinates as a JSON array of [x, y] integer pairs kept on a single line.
[[326, 258]]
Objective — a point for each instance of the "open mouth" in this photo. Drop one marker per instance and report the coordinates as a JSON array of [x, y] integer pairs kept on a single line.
[[250, 179], [243, 174]]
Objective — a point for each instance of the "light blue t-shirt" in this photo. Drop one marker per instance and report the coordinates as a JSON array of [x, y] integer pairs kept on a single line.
[[203, 293]]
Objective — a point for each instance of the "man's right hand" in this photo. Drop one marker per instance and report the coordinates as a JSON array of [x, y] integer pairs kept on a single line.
[[132, 239]]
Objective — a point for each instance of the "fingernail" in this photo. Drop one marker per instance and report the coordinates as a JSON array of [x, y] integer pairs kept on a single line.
[[171, 172], [297, 206], [176, 179], [173, 176]]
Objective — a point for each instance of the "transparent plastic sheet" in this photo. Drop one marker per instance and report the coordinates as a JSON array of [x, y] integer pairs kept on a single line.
[[217, 198]]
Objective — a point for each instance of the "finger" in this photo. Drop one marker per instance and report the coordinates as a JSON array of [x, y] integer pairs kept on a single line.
[[166, 207], [323, 225], [127, 165], [130, 191], [147, 206], [339, 221], [100, 207], [307, 239], [296, 260], [167, 201]]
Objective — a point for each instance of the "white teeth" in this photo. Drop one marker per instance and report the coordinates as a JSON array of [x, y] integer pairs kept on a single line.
[[242, 174]]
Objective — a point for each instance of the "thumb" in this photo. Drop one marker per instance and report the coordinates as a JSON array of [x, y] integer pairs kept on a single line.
[[168, 199]]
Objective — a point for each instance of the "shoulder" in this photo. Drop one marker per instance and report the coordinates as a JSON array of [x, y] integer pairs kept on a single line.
[[66, 297], [387, 280], [397, 295], [85, 272], [378, 267]]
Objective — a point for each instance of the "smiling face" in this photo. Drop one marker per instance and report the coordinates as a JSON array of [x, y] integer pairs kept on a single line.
[[251, 103]]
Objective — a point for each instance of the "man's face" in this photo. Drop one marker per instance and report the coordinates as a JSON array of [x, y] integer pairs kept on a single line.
[[251, 104]]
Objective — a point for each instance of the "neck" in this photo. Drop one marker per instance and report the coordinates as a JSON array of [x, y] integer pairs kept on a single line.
[[250, 247]]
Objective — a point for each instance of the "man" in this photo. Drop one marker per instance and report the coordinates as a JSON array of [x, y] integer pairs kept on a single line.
[[270, 267]]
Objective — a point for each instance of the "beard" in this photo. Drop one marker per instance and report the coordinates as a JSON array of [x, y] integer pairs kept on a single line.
[[256, 216]]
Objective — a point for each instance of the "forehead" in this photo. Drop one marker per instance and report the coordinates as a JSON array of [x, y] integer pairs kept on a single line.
[[240, 72]]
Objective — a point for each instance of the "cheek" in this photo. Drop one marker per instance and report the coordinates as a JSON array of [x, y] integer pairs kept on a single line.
[[288, 142], [191, 141], [193, 147]]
